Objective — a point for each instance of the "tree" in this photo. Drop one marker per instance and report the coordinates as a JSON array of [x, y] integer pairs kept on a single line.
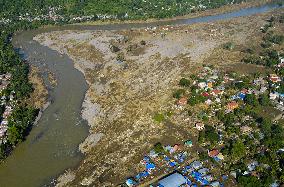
[[178, 93], [14, 135], [251, 100], [158, 148], [184, 82], [229, 46], [249, 181], [210, 134], [266, 126], [238, 150], [264, 100]]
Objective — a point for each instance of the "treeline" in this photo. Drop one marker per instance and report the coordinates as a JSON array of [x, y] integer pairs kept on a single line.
[[135, 9], [23, 115]]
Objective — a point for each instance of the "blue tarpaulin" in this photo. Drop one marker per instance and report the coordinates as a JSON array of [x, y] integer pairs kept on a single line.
[[150, 166], [242, 96], [167, 158], [130, 182], [172, 164]]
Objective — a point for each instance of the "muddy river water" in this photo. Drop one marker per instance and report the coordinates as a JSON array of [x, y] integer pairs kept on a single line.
[[52, 145]]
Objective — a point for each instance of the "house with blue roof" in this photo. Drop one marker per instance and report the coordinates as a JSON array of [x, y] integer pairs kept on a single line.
[[196, 164]]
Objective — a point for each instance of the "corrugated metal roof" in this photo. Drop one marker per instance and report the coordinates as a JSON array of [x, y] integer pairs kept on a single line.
[[173, 180]]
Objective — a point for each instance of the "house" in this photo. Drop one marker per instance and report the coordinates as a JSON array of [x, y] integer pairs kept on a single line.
[[196, 164], [213, 153], [273, 96], [233, 174], [252, 166], [208, 102], [241, 96], [209, 84], [199, 126], [173, 149], [153, 154], [246, 129], [232, 105], [274, 78], [263, 89], [218, 100], [130, 182], [182, 101], [176, 147], [219, 157], [188, 143], [173, 180], [202, 85], [216, 92], [215, 184], [205, 94], [259, 81], [203, 171], [208, 178]]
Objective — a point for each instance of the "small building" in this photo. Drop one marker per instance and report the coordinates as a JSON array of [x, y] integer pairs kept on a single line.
[[199, 126], [216, 92], [196, 164], [209, 84], [232, 105], [182, 101], [215, 184], [203, 171], [246, 129], [205, 94], [173, 180], [273, 96], [202, 85], [208, 102], [274, 78], [213, 153], [188, 143], [130, 182]]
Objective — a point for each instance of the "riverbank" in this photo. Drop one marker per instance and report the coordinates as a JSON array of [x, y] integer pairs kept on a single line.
[[39, 96], [127, 87], [210, 12]]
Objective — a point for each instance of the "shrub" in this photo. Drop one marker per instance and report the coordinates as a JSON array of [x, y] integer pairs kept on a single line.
[[229, 46], [178, 93], [184, 82], [159, 117]]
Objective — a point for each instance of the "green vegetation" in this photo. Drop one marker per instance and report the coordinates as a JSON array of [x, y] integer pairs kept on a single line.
[[159, 117], [178, 93], [115, 9], [158, 148], [229, 46], [184, 82], [20, 123], [209, 134]]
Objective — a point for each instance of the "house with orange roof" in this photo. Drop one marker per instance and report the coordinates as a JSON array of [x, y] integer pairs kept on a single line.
[[232, 105], [213, 153], [182, 101]]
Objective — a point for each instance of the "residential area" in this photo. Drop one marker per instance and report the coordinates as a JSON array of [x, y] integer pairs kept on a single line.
[[7, 103], [237, 125]]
